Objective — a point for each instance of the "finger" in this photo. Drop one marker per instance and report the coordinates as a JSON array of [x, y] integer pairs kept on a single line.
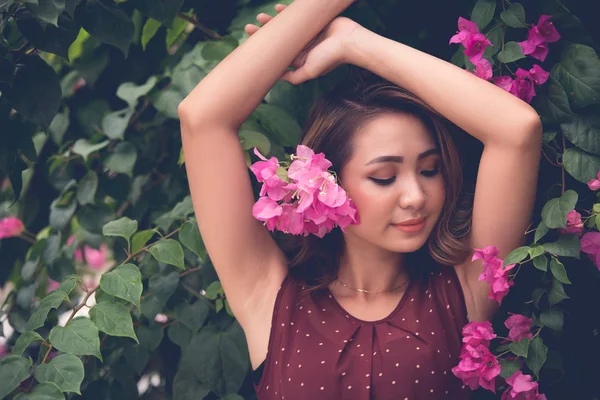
[[263, 18], [251, 29], [296, 77], [280, 7]]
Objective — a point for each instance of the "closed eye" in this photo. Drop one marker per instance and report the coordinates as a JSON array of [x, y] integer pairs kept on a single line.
[[383, 182], [430, 173]]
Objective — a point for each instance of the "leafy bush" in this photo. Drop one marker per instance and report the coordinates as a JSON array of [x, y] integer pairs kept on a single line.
[[114, 295]]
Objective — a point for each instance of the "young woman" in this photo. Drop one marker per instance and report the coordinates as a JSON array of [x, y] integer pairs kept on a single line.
[[380, 320]]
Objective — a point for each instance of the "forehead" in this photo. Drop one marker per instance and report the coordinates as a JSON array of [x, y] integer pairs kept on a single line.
[[401, 134]]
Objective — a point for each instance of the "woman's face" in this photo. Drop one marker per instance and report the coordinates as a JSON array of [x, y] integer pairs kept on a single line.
[[394, 175]]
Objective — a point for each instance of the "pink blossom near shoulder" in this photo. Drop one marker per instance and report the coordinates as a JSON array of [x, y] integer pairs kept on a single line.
[[522, 387], [304, 198], [519, 327], [493, 272], [594, 184], [574, 224], [590, 244]]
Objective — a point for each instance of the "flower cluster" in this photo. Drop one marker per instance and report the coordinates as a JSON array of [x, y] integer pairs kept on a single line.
[[11, 227], [590, 244], [523, 83], [574, 224], [303, 199], [522, 387], [519, 327], [478, 367], [538, 38], [94, 258], [493, 273], [594, 184]]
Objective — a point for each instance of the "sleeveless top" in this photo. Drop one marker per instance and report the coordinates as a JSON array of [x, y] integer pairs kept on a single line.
[[317, 350]]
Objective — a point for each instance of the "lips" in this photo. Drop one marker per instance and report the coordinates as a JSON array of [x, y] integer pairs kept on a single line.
[[414, 221]]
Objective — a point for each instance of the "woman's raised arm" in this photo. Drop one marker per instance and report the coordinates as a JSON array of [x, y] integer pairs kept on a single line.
[[249, 264]]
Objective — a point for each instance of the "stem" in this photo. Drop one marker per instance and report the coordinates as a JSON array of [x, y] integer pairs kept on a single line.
[[27, 238], [552, 163], [207, 31], [564, 143]]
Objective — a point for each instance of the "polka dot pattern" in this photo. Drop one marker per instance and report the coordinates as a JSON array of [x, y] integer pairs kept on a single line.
[[407, 355]]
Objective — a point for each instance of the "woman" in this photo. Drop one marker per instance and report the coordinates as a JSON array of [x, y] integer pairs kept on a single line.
[[377, 323]]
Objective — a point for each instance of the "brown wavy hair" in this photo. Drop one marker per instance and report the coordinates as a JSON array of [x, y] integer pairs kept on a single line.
[[329, 128]]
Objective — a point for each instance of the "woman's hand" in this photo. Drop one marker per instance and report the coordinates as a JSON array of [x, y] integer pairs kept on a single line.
[[327, 51]]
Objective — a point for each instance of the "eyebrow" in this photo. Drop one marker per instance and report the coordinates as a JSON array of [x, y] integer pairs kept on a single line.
[[400, 159]]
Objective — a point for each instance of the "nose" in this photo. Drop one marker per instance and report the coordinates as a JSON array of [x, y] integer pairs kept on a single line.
[[412, 194]]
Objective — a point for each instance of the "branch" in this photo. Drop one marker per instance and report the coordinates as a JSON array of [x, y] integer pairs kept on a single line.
[[207, 31]]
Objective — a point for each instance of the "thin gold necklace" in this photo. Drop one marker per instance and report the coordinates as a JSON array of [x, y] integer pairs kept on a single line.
[[371, 291]]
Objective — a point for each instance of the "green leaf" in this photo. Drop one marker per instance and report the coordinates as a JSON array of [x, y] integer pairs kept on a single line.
[[511, 53], [124, 282], [13, 370], [84, 148], [137, 357], [130, 92], [150, 336], [48, 37], [175, 33], [47, 10], [520, 348], [566, 246], [24, 341], [483, 12], [540, 231], [192, 315], [514, 16], [553, 102], [214, 290], [51, 301], [189, 235], [168, 251], [537, 355], [179, 334], [140, 239], [107, 22], [115, 123], [92, 217], [536, 250], [251, 139], [87, 187], [123, 227], [64, 370], [150, 28], [558, 270], [58, 127], [122, 159], [35, 91], [583, 131], [42, 391], [553, 319], [557, 292], [578, 72], [163, 286], [582, 166], [161, 10], [281, 125], [554, 213], [541, 262], [113, 319], [79, 337], [536, 296], [516, 256]]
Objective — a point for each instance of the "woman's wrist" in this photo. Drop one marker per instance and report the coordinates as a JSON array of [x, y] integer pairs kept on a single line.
[[357, 45]]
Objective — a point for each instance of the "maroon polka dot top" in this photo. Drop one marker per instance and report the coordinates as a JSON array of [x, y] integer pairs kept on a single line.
[[319, 351]]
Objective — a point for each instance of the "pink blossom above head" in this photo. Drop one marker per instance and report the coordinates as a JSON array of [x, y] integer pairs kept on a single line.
[[483, 69], [538, 75], [522, 387], [266, 208], [475, 46], [519, 327], [594, 184], [466, 29], [52, 285], [478, 333], [11, 227], [574, 224], [546, 29], [590, 244]]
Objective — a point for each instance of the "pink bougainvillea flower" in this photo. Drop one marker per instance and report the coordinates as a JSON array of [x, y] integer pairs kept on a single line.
[[538, 38], [522, 387], [11, 227], [94, 258], [466, 29], [483, 69], [4, 350], [590, 244], [266, 172], [523, 85], [52, 285], [574, 223], [311, 202], [476, 333], [493, 273], [5, 184], [161, 318], [519, 327], [478, 367], [537, 75], [594, 184], [475, 46], [504, 82]]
